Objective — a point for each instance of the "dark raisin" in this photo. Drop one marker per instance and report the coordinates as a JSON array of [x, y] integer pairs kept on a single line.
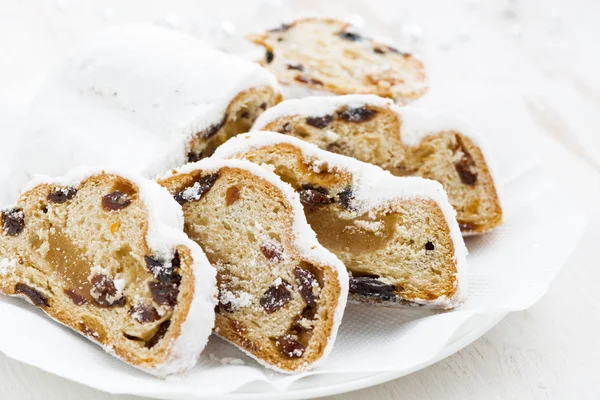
[[229, 307], [395, 50], [131, 337], [245, 115], [164, 272], [311, 81], [232, 195], [312, 197], [285, 128], [61, 195], [197, 190], [75, 297], [386, 49], [263, 106], [276, 297], [346, 197], [164, 293], [36, 297], [289, 347], [372, 287], [466, 167], [269, 56], [297, 67], [354, 37], [115, 201], [14, 221], [357, 114], [282, 28], [307, 282], [213, 129], [160, 333], [193, 156], [319, 122], [272, 251], [308, 315], [429, 246], [105, 293], [143, 313]]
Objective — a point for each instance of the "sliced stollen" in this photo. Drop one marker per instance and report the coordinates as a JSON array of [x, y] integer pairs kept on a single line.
[[144, 99], [398, 237], [327, 56], [403, 140], [281, 294], [104, 253]]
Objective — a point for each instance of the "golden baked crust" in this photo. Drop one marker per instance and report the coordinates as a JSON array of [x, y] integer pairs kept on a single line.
[[326, 55]]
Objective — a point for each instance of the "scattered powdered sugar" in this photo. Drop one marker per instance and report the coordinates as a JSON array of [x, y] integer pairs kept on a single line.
[[241, 300], [192, 193], [277, 282], [119, 284], [7, 265]]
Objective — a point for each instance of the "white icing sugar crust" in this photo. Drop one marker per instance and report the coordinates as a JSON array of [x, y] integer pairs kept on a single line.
[[305, 238], [131, 98], [165, 232], [373, 187]]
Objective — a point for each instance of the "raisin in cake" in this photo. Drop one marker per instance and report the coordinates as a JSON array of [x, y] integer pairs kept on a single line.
[[398, 237], [281, 294], [143, 99], [403, 140], [105, 254], [330, 56]]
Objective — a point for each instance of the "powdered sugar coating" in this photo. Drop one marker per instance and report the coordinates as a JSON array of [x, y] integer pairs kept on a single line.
[[373, 187], [165, 232], [7, 265], [132, 97], [305, 239]]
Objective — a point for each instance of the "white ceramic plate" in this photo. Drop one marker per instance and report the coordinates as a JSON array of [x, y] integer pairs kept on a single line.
[[317, 386]]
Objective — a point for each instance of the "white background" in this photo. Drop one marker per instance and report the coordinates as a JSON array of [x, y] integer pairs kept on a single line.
[[542, 60]]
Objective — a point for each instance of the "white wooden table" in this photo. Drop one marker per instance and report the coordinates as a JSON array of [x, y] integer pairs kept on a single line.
[[544, 53]]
